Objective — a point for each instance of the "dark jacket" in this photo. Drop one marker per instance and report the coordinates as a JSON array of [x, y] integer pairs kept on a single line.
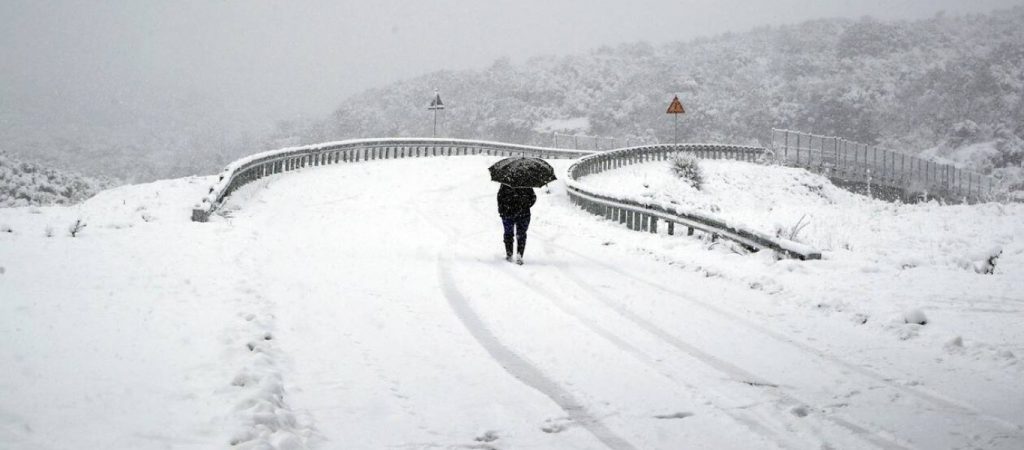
[[515, 202]]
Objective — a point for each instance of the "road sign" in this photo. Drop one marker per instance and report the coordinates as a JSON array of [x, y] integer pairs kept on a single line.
[[676, 107], [436, 103]]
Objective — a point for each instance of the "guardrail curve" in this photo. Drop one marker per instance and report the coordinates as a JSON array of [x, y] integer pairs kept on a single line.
[[254, 167], [641, 216], [636, 215]]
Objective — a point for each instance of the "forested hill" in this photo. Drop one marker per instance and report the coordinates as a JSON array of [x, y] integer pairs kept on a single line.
[[945, 82], [31, 184]]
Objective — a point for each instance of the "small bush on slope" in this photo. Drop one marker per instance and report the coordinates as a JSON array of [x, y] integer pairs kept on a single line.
[[687, 167]]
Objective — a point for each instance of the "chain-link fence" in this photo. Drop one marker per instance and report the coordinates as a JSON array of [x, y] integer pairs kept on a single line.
[[850, 161]]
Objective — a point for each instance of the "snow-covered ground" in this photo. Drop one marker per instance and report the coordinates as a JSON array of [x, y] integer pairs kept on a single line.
[[368, 306]]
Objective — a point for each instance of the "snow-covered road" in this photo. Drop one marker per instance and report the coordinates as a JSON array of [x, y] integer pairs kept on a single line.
[[359, 306], [406, 327]]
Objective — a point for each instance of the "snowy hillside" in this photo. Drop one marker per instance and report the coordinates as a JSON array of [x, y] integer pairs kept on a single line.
[[945, 82], [368, 306]]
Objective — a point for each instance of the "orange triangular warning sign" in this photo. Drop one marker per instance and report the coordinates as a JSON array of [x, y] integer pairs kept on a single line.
[[676, 107]]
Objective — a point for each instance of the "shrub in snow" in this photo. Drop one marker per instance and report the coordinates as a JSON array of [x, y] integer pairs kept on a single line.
[[76, 227], [987, 266], [915, 316], [687, 167], [793, 232]]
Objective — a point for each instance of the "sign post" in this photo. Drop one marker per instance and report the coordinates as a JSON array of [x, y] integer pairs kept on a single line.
[[436, 105], [676, 108]]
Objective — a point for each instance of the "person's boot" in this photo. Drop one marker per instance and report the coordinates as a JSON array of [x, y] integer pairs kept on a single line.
[[508, 249], [520, 248]]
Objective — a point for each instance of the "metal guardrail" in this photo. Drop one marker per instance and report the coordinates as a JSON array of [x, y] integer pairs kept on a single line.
[[636, 215], [597, 143], [255, 167], [870, 166], [642, 216]]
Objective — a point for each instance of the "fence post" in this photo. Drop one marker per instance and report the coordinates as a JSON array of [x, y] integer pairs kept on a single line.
[[785, 149], [798, 149], [835, 152], [960, 182], [903, 169], [945, 178], [874, 159]]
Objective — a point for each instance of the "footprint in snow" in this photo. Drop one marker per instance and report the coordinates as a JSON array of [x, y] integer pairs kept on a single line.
[[799, 411], [487, 436], [556, 425], [676, 415]]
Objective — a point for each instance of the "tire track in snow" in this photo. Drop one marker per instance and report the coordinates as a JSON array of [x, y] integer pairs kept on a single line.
[[752, 423], [933, 398], [516, 365], [732, 371]]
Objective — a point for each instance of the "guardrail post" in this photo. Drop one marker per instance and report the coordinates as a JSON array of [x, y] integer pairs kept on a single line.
[[689, 231]]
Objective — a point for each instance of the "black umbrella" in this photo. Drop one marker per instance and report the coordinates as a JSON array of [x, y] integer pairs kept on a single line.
[[520, 171]]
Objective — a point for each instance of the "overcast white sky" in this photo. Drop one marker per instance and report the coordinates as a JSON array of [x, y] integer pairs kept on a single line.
[[62, 60]]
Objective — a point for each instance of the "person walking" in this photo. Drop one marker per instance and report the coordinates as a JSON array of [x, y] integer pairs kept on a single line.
[[514, 208]]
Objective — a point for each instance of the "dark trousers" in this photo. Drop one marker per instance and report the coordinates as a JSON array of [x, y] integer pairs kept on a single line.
[[519, 225]]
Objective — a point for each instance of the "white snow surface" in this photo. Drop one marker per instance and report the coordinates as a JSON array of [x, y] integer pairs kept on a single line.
[[369, 305]]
